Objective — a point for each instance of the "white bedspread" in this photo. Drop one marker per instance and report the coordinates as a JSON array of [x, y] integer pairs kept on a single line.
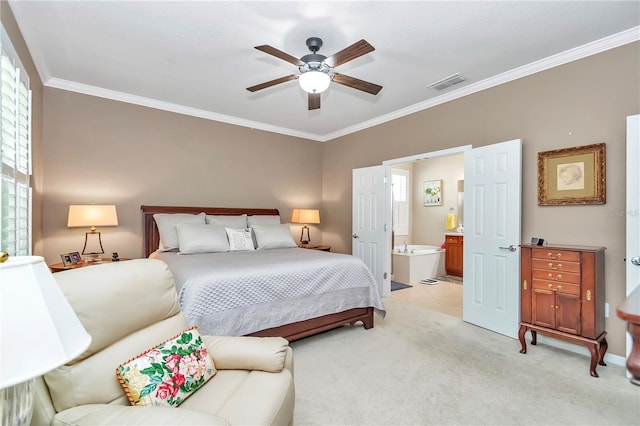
[[237, 293]]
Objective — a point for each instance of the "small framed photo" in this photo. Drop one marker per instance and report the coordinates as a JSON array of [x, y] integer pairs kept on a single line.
[[572, 176], [75, 257], [71, 259], [432, 191]]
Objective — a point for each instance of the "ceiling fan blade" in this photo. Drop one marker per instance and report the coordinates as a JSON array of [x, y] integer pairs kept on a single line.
[[314, 101], [356, 50], [280, 54], [271, 83], [365, 86]]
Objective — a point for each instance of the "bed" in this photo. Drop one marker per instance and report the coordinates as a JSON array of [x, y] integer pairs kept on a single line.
[[287, 292]]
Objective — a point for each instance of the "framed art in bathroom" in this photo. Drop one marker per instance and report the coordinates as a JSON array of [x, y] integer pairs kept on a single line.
[[572, 176], [432, 192]]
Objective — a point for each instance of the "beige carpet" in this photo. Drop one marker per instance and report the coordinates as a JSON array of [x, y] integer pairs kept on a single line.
[[419, 367]]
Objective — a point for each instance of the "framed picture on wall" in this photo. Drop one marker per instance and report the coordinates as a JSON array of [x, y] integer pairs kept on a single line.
[[572, 176], [432, 193]]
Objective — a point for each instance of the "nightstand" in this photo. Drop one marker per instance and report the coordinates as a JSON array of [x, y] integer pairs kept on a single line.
[[57, 267], [312, 247]]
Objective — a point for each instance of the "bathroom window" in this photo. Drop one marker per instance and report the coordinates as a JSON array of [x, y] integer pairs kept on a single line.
[[400, 190]]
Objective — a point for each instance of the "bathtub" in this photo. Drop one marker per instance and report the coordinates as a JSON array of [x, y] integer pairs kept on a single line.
[[418, 263]]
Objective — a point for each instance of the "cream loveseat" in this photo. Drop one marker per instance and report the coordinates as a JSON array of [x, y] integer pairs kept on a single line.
[[131, 306]]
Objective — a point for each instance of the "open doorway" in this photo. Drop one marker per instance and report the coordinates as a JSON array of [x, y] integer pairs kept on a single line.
[[427, 214]]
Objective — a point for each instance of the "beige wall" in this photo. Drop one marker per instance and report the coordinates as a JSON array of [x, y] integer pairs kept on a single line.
[[10, 25], [580, 103], [108, 152]]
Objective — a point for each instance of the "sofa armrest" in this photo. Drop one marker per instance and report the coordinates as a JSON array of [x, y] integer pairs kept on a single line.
[[247, 352], [107, 414]]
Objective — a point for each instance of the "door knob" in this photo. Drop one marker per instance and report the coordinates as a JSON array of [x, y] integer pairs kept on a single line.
[[355, 236], [510, 248], [635, 260]]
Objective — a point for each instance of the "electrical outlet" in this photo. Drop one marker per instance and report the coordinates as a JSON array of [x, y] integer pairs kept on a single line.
[[606, 310]]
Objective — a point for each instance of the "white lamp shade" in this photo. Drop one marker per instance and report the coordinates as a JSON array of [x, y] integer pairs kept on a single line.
[[305, 216], [92, 215], [38, 328], [314, 81]]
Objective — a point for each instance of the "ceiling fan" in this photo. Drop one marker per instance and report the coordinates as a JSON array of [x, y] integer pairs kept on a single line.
[[316, 70]]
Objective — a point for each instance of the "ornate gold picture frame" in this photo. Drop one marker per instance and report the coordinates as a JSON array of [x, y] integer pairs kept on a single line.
[[572, 176]]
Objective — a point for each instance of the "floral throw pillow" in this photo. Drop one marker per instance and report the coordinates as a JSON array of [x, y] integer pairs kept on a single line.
[[168, 373]]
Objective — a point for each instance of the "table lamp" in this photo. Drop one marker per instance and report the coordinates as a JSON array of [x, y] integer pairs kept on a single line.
[[305, 216], [39, 332], [92, 215]]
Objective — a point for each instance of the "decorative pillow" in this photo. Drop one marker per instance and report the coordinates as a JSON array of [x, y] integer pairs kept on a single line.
[[167, 227], [236, 222], [240, 239], [273, 236], [197, 238], [263, 220], [167, 374]]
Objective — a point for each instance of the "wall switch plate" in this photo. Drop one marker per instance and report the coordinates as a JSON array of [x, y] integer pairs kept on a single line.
[[606, 310]]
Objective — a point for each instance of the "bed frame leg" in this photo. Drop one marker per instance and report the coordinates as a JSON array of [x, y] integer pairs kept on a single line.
[[368, 320]]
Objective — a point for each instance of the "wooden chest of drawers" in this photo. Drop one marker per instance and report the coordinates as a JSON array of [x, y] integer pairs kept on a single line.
[[562, 296]]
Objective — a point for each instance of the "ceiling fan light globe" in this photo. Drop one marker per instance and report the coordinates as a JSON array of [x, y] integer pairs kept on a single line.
[[314, 81]]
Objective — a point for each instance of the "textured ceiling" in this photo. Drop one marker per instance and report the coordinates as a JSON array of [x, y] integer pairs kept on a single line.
[[198, 58]]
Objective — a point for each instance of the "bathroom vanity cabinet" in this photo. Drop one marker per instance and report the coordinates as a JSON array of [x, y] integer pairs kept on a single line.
[[562, 296], [454, 244]]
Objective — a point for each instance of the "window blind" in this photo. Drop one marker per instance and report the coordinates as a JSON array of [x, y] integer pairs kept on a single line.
[[400, 185], [15, 153]]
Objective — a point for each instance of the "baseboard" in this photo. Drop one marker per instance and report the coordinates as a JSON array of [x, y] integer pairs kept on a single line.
[[579, 349]]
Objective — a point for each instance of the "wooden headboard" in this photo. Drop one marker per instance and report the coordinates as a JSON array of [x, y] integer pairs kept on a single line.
[[151, 237]]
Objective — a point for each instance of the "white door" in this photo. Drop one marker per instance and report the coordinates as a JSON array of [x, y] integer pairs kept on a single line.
[[633, 207], [368, 222], [492, 194]]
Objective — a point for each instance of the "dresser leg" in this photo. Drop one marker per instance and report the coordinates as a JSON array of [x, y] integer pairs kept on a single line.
[[523, 343], [603, 350], [594, 350], [534, 337]]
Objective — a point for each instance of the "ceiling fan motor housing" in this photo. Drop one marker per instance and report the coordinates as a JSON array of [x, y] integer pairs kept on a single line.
[[314, 44]]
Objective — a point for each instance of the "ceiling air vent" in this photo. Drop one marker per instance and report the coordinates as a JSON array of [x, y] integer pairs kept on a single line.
[[447, 82]]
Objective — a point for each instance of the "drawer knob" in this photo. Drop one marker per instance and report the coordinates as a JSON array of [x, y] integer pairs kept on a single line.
[[552, 256], [559, 287]]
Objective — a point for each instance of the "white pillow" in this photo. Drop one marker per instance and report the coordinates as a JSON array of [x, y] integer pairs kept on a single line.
[[239, 239], [167, 227], [263, 220], [198, 238], [236, 222], [273, 236]]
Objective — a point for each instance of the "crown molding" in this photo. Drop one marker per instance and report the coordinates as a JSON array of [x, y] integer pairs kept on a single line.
[[171, 107]]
